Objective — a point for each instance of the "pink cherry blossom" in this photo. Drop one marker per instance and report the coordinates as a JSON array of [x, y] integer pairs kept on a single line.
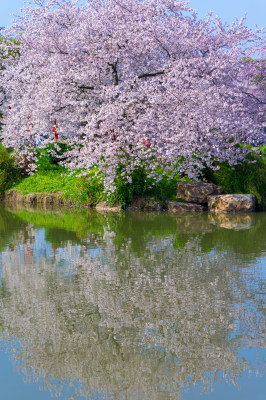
[[172, 89]]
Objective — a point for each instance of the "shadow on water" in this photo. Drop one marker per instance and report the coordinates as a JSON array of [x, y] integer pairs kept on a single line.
[[131, 305]]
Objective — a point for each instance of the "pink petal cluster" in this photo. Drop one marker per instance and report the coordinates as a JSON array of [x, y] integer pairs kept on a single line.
[[133, 83]]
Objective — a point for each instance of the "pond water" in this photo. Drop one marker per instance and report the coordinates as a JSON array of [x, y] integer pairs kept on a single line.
[[137, 306]]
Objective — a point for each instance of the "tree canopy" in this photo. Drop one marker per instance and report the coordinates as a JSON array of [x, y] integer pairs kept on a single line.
[[133, 83]]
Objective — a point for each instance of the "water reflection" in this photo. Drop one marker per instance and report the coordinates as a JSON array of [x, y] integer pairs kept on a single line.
[[134, 306]]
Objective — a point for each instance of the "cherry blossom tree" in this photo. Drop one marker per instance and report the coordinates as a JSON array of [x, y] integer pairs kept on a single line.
[[133, 83]]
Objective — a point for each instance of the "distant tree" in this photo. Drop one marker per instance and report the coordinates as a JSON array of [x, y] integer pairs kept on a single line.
[[133, 83]]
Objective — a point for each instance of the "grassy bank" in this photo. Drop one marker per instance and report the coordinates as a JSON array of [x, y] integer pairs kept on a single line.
[[53, 178], [58, 180], [89, 189]]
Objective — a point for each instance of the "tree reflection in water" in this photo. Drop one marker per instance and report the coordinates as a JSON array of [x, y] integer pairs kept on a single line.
[[108, 316]]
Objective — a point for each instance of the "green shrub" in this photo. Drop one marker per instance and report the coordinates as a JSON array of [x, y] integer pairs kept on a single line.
[[243, 178], [141, 185], [263, 149], [93, 186], [125, 191], [9, 172]]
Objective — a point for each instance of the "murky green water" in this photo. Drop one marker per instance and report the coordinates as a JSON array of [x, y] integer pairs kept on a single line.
[[132, 306]]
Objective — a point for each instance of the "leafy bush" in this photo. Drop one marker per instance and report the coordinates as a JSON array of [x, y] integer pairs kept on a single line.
[[243, 178], [9, 172], [263, 149], [141, 185]]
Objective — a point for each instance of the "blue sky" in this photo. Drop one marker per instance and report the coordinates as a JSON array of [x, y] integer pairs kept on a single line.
[[227, 9]]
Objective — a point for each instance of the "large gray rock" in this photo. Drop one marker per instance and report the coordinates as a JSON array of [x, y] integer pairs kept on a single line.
[[232, 203], [196, 192], [178, 207]]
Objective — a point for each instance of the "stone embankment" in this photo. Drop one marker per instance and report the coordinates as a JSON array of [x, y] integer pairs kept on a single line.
[[191, 196], [44, 199]]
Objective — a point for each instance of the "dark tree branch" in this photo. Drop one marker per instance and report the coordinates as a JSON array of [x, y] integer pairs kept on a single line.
[[163, 47], [254, 97], [204, 52], [61, 108], [115, 74], [86, 87], [148, 74]]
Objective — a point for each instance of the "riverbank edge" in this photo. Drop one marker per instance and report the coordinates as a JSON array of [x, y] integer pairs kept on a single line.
[[35, 198], [56, 199]]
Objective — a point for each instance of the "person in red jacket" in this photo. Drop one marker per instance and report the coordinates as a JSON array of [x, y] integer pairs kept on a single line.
[[55, 130]]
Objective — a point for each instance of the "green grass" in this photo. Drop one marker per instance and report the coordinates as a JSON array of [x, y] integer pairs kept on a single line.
[[81, 189]]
